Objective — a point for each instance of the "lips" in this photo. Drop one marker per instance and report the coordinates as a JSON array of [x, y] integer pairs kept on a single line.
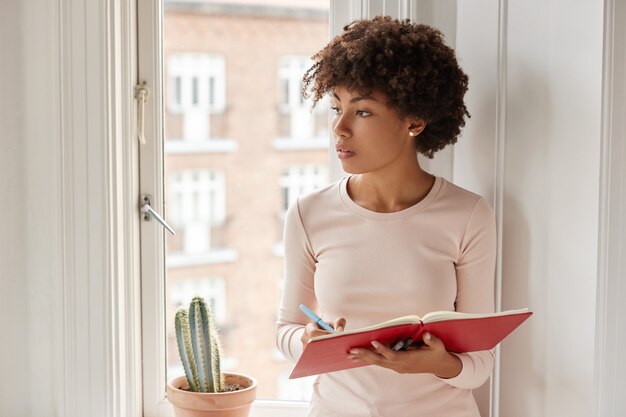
[[343, 152]]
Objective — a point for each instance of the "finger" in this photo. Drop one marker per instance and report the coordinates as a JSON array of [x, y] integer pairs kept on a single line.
[[309, 328], [367, 356], [312, 330], [383, 350], [433, 341], [339, 324]]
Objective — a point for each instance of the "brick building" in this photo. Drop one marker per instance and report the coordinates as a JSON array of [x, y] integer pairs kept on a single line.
[[240, 144]]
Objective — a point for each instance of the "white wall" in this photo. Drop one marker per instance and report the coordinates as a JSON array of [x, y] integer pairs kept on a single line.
[[551, 204], [13, 285], [473, 157], [43, 196], [550, 176], [610, 380], [29, 242], [56, 265]]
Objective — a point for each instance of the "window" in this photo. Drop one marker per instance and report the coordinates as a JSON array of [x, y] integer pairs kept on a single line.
[[213, 290], [196, 102], [212, 165], [297, 180], [193, 80], [300, 126], [198, 212], [301, 179]]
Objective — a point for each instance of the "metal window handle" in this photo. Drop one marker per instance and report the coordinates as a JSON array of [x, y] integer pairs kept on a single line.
[[148, 212]]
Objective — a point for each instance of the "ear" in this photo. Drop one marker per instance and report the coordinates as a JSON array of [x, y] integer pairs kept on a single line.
[[416, 126]]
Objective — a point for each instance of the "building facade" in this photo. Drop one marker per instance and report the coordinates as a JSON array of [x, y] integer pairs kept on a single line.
[[240, 143]]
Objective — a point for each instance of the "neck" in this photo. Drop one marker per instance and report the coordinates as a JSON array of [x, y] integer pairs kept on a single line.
[[387, 193]]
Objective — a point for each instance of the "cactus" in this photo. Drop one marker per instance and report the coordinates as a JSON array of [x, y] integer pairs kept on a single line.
[[199, 347]]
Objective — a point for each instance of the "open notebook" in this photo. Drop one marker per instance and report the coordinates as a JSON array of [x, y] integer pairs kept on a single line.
[[460, 332]]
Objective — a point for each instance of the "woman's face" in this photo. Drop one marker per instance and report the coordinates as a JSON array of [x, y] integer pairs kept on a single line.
[[369, 136]]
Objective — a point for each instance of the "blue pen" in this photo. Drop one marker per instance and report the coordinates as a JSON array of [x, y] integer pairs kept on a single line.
[[317, 319]]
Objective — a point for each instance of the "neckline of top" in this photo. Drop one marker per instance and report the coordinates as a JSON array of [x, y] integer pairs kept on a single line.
[[375, 215]]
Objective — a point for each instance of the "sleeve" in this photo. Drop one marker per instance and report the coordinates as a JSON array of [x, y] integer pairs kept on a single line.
[[299, 267], [475, 275]]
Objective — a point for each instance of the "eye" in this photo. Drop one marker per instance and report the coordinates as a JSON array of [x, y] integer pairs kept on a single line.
[[363, 113], [335, 109]]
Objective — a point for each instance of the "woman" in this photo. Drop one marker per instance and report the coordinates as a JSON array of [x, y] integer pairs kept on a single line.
[[389, 239]]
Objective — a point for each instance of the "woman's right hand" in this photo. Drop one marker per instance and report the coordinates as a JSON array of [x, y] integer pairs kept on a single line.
[[311, 330]]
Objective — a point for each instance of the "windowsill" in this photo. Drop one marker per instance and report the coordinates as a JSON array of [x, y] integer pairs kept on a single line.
[[288, 144], [215, 256], [274, 408], [204, 146], [277, 408]]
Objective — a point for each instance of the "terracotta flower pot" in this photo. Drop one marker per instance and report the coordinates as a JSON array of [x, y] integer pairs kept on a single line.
[[204, 404]]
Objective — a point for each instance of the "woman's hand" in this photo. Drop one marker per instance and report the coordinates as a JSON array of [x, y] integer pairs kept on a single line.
[[432, 357], [312, 330]]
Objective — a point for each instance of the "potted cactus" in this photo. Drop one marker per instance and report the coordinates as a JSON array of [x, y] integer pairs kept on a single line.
[[204, 390]]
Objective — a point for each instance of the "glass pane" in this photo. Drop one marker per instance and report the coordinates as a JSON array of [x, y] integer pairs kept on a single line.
[[240, 146]]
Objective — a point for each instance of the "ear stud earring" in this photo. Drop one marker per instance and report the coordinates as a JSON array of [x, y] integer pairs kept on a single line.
[[411, 133]]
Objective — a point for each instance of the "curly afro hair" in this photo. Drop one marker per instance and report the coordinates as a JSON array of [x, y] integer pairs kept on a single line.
[[408, 62]]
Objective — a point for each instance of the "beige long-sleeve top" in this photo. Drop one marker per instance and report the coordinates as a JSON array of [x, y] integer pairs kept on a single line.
[[347, 261]]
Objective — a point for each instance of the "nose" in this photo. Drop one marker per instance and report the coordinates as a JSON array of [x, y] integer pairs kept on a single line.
[[341, 128]]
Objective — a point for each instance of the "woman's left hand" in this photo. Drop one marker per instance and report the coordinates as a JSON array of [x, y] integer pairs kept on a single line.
[[432, 357]]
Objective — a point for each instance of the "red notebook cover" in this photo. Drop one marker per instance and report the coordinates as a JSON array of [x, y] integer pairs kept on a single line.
[[458, 335]]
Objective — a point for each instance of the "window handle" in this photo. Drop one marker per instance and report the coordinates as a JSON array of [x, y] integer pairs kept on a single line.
[[148, 212], [141, 95]]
